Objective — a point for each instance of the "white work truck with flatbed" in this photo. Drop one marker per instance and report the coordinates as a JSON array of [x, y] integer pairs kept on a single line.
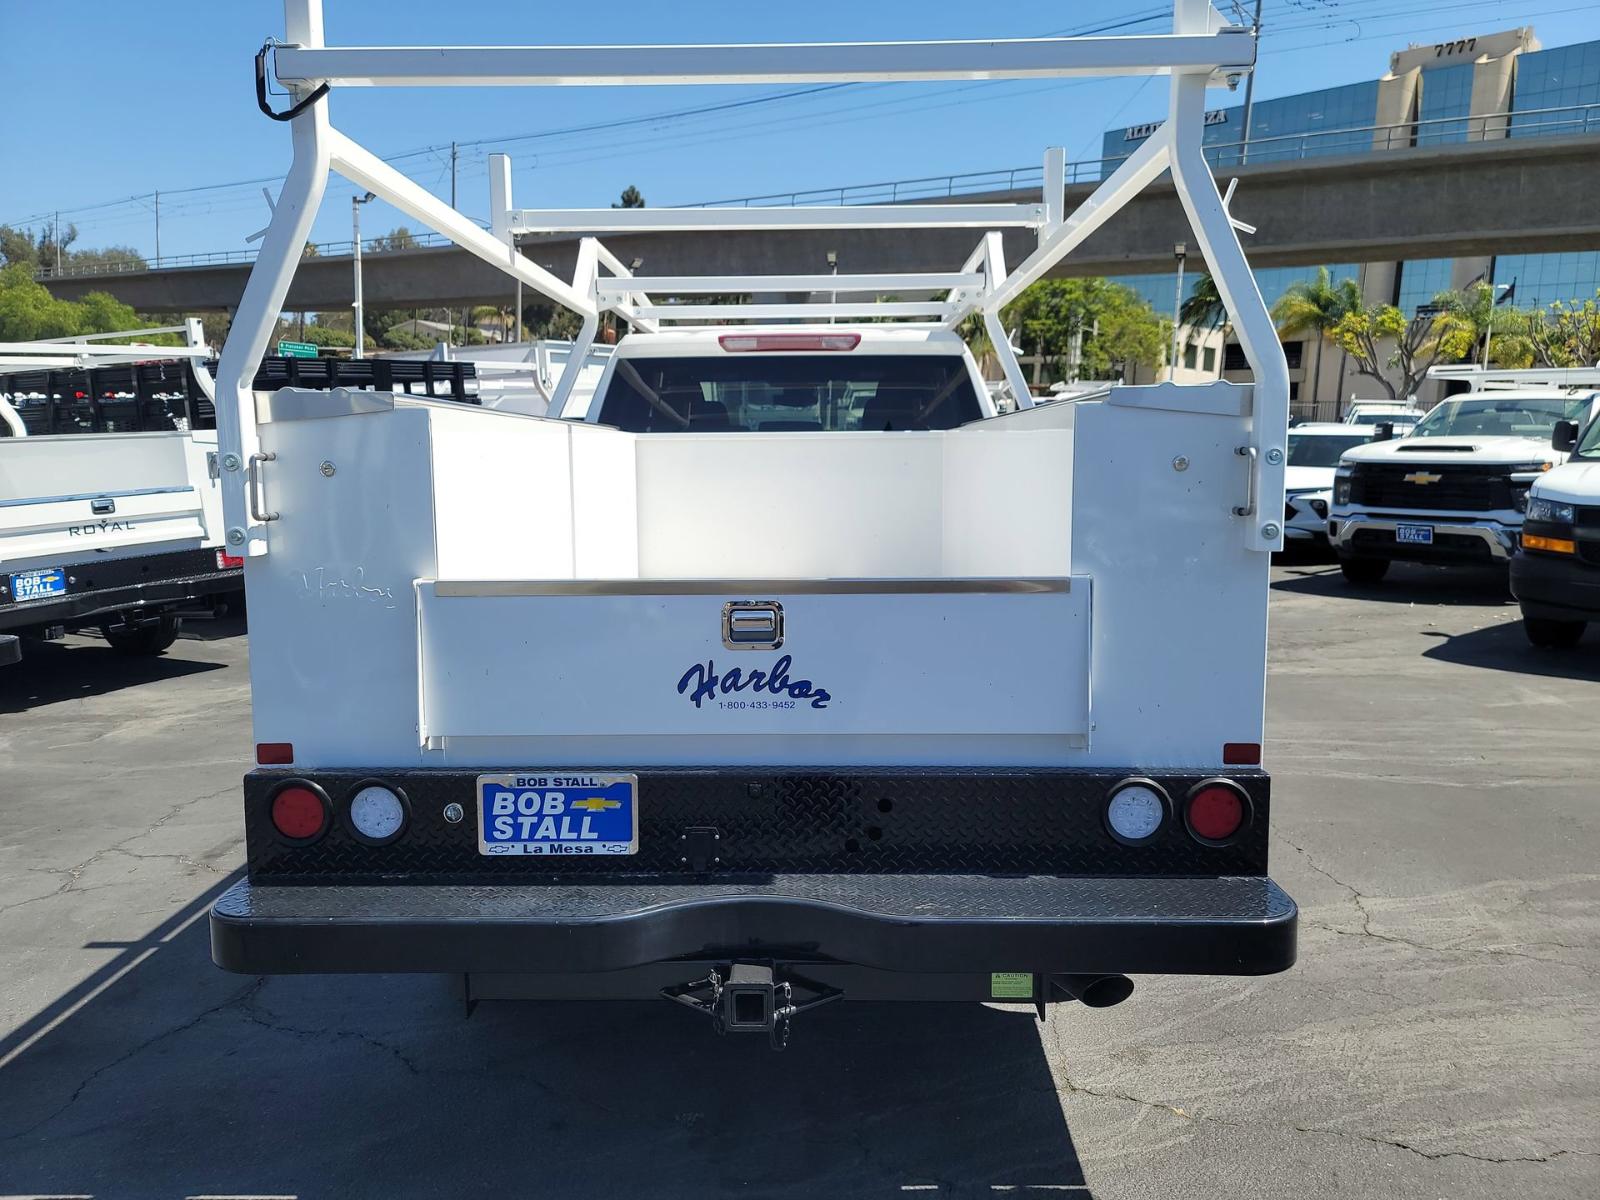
[[784, 667], [110, 510], [1453, 492]]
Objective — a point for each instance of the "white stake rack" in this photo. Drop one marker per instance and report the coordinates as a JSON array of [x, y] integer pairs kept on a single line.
[[1201, 49]]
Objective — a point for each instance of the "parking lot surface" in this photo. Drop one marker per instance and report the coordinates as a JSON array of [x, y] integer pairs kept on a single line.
[[1435, 813]]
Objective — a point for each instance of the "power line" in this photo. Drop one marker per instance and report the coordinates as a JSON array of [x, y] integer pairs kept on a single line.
[[1141, 18]]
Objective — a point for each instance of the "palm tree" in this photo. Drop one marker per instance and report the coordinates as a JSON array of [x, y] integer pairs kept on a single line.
[[1203, 309], [1315, 306]]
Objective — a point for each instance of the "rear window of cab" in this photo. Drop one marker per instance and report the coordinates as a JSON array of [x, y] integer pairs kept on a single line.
[[764, 393]]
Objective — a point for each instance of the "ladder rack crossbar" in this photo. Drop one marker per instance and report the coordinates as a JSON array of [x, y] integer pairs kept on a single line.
[[863, 216], [1229, 48], [610, 288], [804, 311]]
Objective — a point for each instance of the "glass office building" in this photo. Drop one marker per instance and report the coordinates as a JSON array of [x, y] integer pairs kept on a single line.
[[1446, 98], [1544, 279], [1557, 91]]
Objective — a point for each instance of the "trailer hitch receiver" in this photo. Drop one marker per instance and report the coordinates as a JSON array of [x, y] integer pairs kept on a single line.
[[748, 997]]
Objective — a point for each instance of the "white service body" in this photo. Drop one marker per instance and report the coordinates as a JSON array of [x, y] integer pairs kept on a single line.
[[470, 586]]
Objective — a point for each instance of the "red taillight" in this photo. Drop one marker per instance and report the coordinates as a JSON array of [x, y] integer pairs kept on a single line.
[[1216, 811], [274, 754], [227, 562], [298, 812], [741, 343], [1241, 754]]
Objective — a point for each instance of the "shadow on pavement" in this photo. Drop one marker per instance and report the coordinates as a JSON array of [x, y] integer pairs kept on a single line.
[[51, 672], [1406, 583], [1505, 648], [162, 1076]]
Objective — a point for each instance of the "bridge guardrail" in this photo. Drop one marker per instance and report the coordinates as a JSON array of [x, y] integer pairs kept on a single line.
[[1541, 122]]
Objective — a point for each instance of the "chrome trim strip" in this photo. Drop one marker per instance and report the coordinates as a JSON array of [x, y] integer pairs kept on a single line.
[[155, 491], [742, 587], [1501, 538]]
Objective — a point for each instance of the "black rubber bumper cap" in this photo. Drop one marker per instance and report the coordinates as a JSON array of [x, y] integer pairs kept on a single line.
[[10, 649], [936, 923]]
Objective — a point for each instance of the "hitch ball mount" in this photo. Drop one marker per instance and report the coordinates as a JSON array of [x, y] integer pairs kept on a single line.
[[751, 998]]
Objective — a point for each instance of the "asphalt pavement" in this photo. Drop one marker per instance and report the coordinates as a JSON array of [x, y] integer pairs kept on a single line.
[[1435, 813]]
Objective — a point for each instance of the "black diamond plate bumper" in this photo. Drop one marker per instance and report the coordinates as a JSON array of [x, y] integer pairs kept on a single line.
[[1231, 925]]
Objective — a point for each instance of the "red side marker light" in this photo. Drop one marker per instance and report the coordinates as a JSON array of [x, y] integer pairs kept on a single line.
[[1216, 812], [741, 343], [1241, 754], [274, 754], [227, 562], [298, 813]]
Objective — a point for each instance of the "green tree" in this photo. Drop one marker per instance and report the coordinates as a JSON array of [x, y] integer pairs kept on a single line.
[[1109, 324], [40, 250], [320, 334], [630, 198], [1566, 333], [1432, 336], [28, 311], [398, 238], [1203, 308], [1316, 306]]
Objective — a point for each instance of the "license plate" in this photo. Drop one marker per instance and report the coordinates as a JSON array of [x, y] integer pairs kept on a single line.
[[1416, 535], [552, 812], [35, 585]]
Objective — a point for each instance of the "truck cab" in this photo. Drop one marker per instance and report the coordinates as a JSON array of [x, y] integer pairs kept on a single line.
[[1453, 492], [1555, 574]]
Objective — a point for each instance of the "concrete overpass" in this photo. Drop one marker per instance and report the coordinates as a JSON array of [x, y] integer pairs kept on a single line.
[[1509, 196]]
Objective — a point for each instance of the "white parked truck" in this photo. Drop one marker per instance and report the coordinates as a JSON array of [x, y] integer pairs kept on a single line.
[[110, 510], [784, 667], [1454, 490], [1555, 574]]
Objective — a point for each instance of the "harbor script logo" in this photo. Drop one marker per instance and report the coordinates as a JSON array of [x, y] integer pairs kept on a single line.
[[701, 683]]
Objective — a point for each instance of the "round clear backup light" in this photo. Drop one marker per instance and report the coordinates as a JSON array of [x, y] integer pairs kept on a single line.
[[377, 813], [1136, 811]]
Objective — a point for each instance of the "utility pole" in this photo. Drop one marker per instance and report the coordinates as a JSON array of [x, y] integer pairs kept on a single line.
[[56, 238], [158, 229], [1250, 91]]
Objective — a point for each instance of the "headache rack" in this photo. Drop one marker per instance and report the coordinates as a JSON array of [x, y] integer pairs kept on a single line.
[[1202, 48]]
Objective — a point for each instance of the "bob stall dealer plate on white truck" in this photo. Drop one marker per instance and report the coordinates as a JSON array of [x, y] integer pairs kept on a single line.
[[544, 812]]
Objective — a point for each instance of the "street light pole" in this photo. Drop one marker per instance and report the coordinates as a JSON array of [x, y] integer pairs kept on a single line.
[[1488, 326], [355, 236], [1180, 251], [1250, 91]]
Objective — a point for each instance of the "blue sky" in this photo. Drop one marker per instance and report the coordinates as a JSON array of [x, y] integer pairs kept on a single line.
[[111, 100]]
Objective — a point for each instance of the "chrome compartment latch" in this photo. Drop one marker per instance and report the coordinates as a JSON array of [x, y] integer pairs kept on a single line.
[[752, 625]]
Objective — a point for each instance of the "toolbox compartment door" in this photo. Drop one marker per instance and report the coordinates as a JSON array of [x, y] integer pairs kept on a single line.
[[856, 657]]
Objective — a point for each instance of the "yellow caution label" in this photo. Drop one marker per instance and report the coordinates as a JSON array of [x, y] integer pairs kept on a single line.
[[1010, 985]]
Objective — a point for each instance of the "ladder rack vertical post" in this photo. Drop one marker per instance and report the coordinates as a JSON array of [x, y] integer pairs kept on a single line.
[[266, 290]]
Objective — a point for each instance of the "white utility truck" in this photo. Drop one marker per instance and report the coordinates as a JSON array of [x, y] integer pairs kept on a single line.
[[1314, 451], [784, 668], [110, 511], [1454, 490], [1555, 574]]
